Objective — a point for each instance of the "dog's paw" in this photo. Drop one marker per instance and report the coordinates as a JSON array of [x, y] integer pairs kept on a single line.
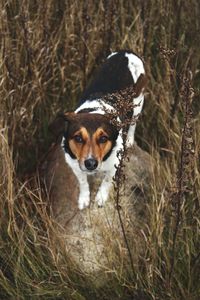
[[101, 198], [83, 201]]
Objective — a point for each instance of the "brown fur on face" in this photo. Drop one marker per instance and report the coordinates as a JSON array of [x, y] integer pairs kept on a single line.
[[84, 145], [88, 136]]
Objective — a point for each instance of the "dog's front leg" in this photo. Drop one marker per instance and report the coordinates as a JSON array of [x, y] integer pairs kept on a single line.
[[138, 103], [130, 136], [104, 189], [84, 191]]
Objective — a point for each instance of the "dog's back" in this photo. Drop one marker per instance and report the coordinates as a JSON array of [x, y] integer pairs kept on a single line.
[[120, 70]]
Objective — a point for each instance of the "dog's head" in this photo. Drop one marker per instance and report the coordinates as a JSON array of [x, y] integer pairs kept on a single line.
[[89, 138]]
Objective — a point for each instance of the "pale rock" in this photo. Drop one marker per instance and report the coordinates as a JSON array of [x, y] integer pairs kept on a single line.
[[93, 236]]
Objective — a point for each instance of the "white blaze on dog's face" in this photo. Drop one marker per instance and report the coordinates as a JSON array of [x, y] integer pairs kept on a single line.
[[89, 138]]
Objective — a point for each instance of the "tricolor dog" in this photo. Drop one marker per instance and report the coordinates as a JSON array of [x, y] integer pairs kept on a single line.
[[89, 139]]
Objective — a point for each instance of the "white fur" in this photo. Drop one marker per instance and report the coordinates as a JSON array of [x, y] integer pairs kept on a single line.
[[113, 53], [108, 167], [138, 104], [84, 191], [100, 106], [136, 68]]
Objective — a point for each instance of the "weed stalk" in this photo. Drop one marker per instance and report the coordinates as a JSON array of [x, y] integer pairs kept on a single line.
[[185, 164]]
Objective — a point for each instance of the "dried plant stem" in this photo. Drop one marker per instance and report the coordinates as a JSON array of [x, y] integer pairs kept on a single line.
[[183, 176], [119, 182], [122, 101], [85, 20]]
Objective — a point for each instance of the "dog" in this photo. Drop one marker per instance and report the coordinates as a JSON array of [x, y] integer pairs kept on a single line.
[[91, 142]]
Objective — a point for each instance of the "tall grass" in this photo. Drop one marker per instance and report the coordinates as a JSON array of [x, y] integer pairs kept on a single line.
[[49, 50]]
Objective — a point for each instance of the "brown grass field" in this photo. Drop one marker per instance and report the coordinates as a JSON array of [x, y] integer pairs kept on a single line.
[[49, 50]]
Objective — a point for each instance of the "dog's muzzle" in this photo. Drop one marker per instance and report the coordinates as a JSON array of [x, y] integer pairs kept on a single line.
[[91, 164]]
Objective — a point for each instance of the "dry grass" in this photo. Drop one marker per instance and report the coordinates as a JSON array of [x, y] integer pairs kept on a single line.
[[49, 49]]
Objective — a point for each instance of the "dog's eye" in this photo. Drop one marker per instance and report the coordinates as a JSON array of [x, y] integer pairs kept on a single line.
[[78, 139], [103, 139]]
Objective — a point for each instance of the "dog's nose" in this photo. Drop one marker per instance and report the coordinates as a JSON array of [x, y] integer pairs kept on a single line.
[[91, 164]]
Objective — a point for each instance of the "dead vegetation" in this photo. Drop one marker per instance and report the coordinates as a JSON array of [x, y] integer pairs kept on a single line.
[[49, 49]]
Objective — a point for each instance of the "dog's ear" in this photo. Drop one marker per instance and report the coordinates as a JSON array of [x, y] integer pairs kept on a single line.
[[140, 85], [59, 126]]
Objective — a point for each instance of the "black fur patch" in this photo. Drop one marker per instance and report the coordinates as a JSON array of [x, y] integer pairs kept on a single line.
[[67, 148], [113, 75]]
